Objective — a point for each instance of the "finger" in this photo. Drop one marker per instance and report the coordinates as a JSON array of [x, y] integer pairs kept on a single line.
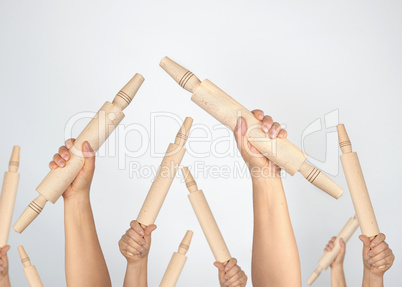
[[69, 143], [266, 123], [378, 249], [135, 236], [333, 238], [235, 277], [232, 272], [64, 153], [384, 263], [89, 154], [259, 115], [274, 130], [232, 262], [126, 249], [132, 243], [283, 134], [59, 161], [377, 240], [137, 227], [380, 256], [241, 281], [53, 165]]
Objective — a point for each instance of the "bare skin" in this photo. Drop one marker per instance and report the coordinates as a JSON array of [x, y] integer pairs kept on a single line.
[[4, 277], [231, 275], [377, 259], [85, 264], [337, 273], [274, 246], [135, 245]]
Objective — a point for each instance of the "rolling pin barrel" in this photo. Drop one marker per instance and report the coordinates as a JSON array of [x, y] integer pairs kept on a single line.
[[8, 195], [164, 177], [227, 110], [206, 219], [357, 186], [96, 133]]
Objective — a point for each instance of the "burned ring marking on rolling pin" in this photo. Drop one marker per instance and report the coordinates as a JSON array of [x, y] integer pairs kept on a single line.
[[187, 76], [124, 96]]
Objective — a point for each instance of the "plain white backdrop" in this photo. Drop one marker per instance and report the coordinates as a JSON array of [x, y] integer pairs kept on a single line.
[[296, 60]]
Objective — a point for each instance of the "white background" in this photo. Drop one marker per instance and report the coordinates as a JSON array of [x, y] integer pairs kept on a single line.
[[296, 60]]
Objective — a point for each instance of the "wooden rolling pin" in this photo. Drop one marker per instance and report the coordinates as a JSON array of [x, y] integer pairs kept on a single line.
[[329, 257], [206, 219], [30, 271], [96, 133], [357, 186], [177, 262], [164, 178], [8, 195], [226, 110]]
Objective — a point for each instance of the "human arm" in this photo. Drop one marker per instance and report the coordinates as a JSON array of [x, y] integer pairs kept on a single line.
[[377, 259], [337, 272], [134, 245], [84, 260], [274, 246]]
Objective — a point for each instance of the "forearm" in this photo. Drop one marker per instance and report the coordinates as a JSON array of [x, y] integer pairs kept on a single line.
[[85, 264], [274, 246], [372, 280], [5, 281], [136, 274], [338, 276]]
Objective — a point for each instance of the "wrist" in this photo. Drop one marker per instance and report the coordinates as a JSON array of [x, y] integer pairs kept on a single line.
[[138, 264], [264, 180], [77, 197], [337, 266]]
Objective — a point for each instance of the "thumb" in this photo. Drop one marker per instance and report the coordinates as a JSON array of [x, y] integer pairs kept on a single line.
[[366, 243], [221, 269], [239, 133], [342, 244], [4, 251], [147, 232], [89, 154]]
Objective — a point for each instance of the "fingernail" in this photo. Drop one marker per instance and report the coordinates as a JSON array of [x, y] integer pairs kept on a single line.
[[271, 135], [370, 255], [65, 156], [87, 146], [373, 265], [265, 128], [369, 261], [226, 269], [138, 253], [372, 244], [142, 249], [142, 233], [143, 243], [226, 278], [61, 163]]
